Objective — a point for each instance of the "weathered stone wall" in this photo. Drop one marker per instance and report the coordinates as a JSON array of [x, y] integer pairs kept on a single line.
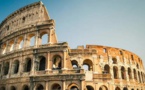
[[28, 63]]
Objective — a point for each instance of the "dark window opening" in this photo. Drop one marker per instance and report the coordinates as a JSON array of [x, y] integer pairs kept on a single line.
[[6, 68], [16, 66], [42, 63]]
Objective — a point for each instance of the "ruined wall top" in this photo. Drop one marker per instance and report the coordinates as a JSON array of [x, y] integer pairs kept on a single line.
[[27, 16]]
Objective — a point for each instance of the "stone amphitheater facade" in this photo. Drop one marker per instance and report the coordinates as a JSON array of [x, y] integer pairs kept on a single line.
[[29, 63]]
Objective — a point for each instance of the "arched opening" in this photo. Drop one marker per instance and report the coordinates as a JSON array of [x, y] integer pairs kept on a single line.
[[104, 50], [117, 88], [115, 72], [4, 49], [15, 66], [123, 75], [132, 89], [13, 88], [89, 87], [129, 73], [42, 63], [137, 66], [103, 88], [106, 69], [44, 39], [28, 63], [125, 88], [2, 88], [6, 68], [20, 42], [88, 65], [40, 87], [11, 44], [135, 75], [57, 61], [74, 64], [114, 60], [32, 40], [26, 87], [56, 87], [74, 88]]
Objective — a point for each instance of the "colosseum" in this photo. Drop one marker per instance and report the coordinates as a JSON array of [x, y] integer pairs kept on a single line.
[[31, 58]]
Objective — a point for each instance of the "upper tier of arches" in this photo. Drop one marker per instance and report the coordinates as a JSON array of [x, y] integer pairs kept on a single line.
[[25, 17]]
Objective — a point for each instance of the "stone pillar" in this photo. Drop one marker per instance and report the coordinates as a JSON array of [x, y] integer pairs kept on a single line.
[[127, 76], [46, 86], [49, 36], [94, 63], [25, 43], [63, 85], [64, 59], [36, 39], [7, 47], [48, 62], [119, 72]]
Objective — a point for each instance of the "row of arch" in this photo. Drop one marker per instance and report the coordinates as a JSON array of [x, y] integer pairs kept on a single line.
[[125, 73], [56, 86], [23, 41], [28, 63]]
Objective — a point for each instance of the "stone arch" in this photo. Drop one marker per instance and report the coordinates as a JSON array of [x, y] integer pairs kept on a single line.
[[88, 65], [39, 87], [42, 63], [3, 88], [44, 37], [106, 68], [56, 86], [6, 68], [123, 73], [103, 87], [115, 72], [114, 60], [11, 45], [57, 62], [117, 88], [27, 65], [73, 86], [20, 42], [104, 50], [31, 39], [129, 73], [26, 87], [16, 65], [89, 87], [13, 88], [4, 49], [125, 88], [74, 64], [135, 75]]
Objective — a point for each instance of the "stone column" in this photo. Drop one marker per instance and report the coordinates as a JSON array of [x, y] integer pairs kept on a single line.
[[64, 59], [7, 47], [36, 39], [48, 62], [94, 63], [63, 85], [25, 43], [126, 72], [119, 72]]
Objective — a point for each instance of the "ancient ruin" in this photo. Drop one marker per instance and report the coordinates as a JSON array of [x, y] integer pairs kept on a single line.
[[28, 63]]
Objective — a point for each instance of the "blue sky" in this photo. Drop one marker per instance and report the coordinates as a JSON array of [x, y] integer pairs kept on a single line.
[[116, 23]]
